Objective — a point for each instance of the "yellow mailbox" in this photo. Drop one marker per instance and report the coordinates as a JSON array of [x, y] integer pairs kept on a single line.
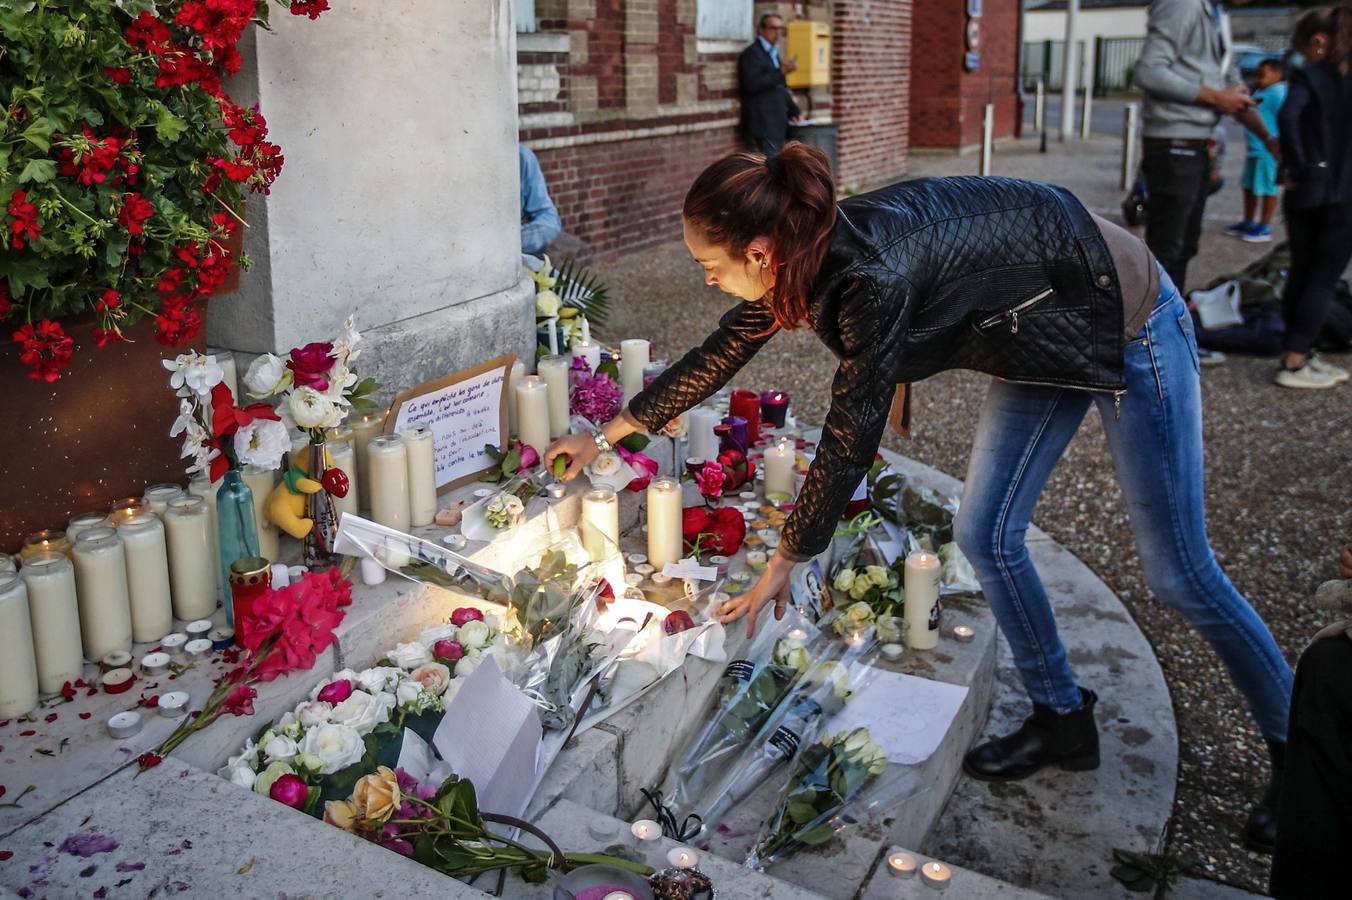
[[810, 45]]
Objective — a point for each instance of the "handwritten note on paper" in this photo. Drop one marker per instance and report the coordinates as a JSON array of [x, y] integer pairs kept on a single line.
[[465, 411]]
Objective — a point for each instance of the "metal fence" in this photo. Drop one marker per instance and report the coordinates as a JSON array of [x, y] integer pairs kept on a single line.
[[1042, 60], [1115, 64]]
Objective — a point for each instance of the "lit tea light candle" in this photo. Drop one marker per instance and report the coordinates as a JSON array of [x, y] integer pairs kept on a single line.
[[174, 704], [618, 895], [124, 725], [936, 875], [901, 864], [117, 681], [964, 634], [796, 634], [682, 858], [645, 830], [197, 648], [155, 663], [126, 508], [856, 639]]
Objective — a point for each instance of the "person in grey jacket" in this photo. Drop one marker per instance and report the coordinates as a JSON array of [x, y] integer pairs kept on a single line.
[[1186, 72]]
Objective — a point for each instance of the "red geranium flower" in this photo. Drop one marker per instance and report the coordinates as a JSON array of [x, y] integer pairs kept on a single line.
[[311, 8], [135, 210], [311, 364], [5, 304], [46, 349], [23, 225], [108, 302], [118, 74]]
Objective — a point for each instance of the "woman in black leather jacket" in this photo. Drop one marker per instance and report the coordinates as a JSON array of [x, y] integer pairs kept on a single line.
[[1012, 278]]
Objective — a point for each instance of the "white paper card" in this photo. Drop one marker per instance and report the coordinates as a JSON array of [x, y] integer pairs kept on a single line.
[[463, 416], [417, 759], [690, 568], [906, 715], [491, 736]]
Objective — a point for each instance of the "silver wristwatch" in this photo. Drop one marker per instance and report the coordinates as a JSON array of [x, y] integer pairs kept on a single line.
[[602, 445]]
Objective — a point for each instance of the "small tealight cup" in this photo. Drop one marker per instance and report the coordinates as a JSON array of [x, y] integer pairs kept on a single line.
[[936, 875], [281, 575], [221, 638], [197, 648], [646, 569], [555, 490], [155, 663], [682, 858], [633, 579], [964, 634], [372, 572], [757, 560], [115, 659], [173, 705], [481, 493], [295, 573], [892, 652], [117, 681], [456, 542], [124, 725], [720, 563], [173, 643], [198, 629], [747, 496], [901, 864]]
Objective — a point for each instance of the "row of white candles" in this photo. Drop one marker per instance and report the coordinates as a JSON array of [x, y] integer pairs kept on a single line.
[[600, 522]]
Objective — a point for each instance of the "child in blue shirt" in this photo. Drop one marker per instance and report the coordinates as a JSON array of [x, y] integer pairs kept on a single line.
[[1260, 167]]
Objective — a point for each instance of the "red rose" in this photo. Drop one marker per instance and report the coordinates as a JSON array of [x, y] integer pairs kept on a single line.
[[291, 790], [451, 651], [466, 614], [310, 365], [677, 622], [719, 531], [335, 692]]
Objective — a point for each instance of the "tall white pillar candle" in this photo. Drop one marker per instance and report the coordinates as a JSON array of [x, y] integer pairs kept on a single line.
[[157, 496], [921, 582], [105, 608], [363, 429], [588, 351], [343, 455], [152, 609], [554, 371], [388, 459], [204, 487], [664, 522], [601, 523], [532, 412], [49, 579], [422, 475], [192, 575], [18, 665], [261, 481], [633, 359], [226, 360], [779, 466], [518, 371], [703, 441]]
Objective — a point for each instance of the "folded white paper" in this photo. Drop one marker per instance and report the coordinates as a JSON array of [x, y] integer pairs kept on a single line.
[[906, 715]]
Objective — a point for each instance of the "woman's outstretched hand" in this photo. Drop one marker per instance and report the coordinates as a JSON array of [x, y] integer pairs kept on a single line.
[[772, 585], [580, 449]]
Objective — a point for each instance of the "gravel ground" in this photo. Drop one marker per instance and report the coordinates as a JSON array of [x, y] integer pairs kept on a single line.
[[1277, 483]]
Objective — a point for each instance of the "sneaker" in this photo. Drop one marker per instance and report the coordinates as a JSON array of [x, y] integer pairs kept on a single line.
[[1210, 357], [1306, 377], [1337, 373], [1239, 229], [1258, 234]]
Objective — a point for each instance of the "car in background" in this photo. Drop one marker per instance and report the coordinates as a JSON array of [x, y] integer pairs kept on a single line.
[[1249, 56]]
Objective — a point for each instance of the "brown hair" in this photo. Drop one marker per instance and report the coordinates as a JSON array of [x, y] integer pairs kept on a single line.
[[789, 199], [1314, 22], [1340, 48]]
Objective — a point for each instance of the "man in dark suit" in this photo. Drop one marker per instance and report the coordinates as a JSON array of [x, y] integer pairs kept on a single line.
[[767, 105]]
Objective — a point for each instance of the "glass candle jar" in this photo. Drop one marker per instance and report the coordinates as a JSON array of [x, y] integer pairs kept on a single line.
[[192, 578], [147, 560], [49, 579], [157, 496], [124, 509], [104, 621], [387, 458], [18, 665], [50, 541], [81, 523]]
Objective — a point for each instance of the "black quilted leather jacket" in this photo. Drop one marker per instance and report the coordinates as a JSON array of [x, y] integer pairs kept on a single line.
[[1007, 277]]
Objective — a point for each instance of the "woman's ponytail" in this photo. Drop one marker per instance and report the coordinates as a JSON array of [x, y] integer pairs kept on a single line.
[[789, 199]]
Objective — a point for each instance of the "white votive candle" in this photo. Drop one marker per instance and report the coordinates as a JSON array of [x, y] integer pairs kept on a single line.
[[363, 429], [901, 864], [600, 523], [936, 875], [261, 481], [101, 577], [682, 858], [343, 455], [173, 705], [921, 583], [514, 376], [665, 541], [703, 441], [49, 580], [202, 627], [18, 665], [634, 358], [645, 830], [173, 643], [156, 663], [387, 457], [420, 449], [779, 470], [152, 609], [964, 634], [157, 496], [197, 648], [532, 412], [192, 580], [124, 724], [204, 487], [590, 352], [554, 371]]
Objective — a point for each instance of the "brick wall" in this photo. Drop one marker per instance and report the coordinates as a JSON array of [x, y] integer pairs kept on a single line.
[[871, 86], [947, 102]]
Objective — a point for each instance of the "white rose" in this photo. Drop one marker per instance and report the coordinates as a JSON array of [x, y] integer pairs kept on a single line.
[[336, 746], [844, 580], [267, 376], [379, 678], [443, 631], [500, 654], [466, 666], [311, 409], [409, 656], [408, 692], [452, 689], [280, 748], [878, 575], [262, 442], [239, 773], [474, 635], [314, 713], [363, 711]]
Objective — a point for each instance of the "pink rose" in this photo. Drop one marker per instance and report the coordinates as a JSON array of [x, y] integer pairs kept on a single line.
[[433, 677], [451, 651], [645, 467], [710, 479], [310, 365], [291, 790], [335, 691], [529, 458], [465, 615]]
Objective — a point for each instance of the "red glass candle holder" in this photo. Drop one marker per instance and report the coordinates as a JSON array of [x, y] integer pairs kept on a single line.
[[774, 408], [746, 405], [250, 578]]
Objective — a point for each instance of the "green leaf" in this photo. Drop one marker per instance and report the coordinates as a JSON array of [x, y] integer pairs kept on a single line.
[[39, 133], [38, 171], [511, 461], [168, 126], [365, 386], [636, 442], [814, 836], [610, 370], [536, 874]]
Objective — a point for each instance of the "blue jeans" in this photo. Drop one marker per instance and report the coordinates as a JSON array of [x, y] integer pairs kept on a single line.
[[1156, 444]]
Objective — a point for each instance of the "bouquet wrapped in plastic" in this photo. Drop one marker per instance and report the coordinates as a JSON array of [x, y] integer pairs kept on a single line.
[[863, 570], [415, 558]]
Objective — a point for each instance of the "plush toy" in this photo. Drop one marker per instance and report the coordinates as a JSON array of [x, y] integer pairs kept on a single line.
[[286, 506]]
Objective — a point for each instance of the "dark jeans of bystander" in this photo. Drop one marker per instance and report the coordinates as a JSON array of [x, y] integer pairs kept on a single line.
[[1176, 178], [1321, 246]]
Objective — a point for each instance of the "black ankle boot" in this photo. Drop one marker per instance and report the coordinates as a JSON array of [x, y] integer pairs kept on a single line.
[[1046, 737], [1260, 831]]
